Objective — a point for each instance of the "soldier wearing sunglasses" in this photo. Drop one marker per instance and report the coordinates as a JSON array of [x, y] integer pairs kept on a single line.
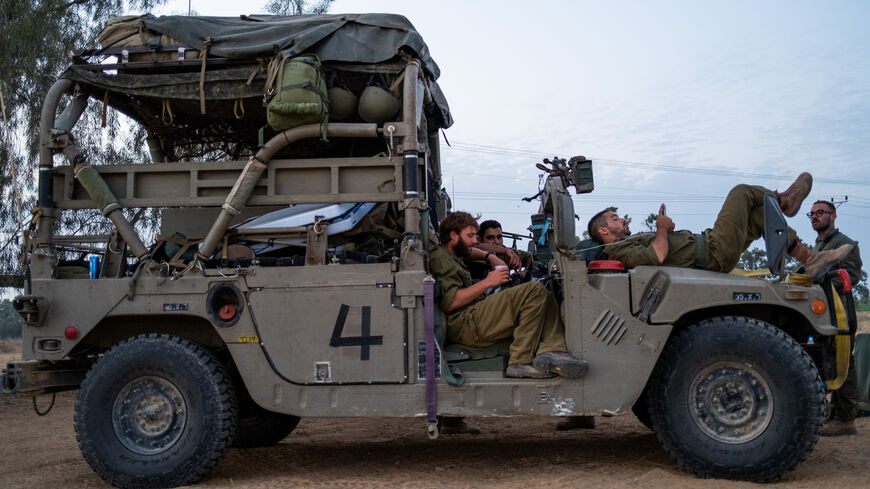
[[844, 401]]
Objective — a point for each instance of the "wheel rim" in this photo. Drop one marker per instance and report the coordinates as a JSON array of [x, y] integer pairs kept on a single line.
[[149, 415], [731, 402]]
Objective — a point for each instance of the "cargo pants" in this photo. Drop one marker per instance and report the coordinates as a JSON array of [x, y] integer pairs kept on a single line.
[[529, 313], [739, 223]]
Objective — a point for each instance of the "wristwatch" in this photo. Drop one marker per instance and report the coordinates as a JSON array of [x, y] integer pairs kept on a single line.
[[486, 257]]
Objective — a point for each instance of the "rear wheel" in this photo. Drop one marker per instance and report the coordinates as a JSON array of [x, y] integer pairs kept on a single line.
[[261, 428], [736, 398], [155, 411]]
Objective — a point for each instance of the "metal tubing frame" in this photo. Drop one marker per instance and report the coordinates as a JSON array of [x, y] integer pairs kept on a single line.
[[241, 193]]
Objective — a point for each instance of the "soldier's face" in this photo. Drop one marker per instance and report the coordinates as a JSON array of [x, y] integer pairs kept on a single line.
[[617, 226], [822, 218], [493, 236], [464, 241]]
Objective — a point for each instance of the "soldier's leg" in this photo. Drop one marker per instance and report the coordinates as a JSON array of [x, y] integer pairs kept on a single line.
[[739, 223], [740, 218], [553, 331], [516, 312]]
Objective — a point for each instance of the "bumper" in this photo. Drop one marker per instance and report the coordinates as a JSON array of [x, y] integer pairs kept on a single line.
[[37, 377]]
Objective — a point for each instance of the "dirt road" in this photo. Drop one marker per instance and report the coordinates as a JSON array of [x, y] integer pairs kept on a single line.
[[41, 452]]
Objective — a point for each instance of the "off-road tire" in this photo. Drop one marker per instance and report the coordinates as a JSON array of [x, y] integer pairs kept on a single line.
[[258, 427], [155, 411], [736, 398]]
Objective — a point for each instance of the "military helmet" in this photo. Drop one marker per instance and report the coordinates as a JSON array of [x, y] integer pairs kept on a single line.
[[377, 105], [342, 103]]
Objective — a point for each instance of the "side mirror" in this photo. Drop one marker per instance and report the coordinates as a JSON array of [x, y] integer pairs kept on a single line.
[[581, 169]]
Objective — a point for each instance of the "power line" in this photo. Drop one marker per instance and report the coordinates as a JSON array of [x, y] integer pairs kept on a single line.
[[499, 150]]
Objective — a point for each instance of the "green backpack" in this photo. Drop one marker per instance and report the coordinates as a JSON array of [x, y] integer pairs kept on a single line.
[[299, 93]]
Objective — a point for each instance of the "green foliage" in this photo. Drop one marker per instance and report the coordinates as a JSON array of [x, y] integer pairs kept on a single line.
[[10, 321], [862, 293], [297, 7], [649, 224], [35, 37]]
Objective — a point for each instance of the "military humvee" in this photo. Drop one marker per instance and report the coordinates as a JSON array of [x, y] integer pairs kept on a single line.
[[289, 277]]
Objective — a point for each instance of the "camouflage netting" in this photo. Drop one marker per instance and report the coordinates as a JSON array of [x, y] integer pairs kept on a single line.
[[165, 95]]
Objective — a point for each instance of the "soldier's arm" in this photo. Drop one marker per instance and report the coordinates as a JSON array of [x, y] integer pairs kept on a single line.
[[513, 262], [465, 296], [852, 265], [664, 224]]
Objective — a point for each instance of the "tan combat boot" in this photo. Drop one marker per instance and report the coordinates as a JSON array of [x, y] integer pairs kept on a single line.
[[814, 261], [790, 201]]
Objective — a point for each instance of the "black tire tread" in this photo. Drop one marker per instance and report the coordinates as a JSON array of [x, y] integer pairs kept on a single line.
[[800, 444], [194, 469]]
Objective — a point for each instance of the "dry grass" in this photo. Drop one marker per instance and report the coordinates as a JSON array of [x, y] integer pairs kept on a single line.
[[10, 345]]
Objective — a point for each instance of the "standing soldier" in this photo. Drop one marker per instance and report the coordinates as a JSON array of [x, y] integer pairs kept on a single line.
[[844, 401]]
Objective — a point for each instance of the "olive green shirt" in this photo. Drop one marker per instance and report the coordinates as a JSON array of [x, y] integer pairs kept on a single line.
[[451, 274], [636, 251], [851, 263]]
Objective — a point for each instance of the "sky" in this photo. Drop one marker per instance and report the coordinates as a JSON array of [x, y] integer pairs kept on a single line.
[[674, 101]]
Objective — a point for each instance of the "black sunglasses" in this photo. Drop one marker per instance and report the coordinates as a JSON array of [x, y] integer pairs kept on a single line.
[[818, 213]]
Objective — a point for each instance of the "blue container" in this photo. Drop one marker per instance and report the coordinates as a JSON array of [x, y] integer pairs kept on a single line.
[[95, 266]]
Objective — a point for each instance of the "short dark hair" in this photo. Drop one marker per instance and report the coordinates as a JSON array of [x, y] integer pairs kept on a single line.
[[828, 204], [455, 222], [596, 222], [489, 224]]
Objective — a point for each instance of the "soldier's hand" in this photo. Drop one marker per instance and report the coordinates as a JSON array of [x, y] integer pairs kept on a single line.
[[663, 221], [513, 259], [497, 277]]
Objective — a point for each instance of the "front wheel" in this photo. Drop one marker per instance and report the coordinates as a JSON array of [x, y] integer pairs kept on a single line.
[[155, 411], [736, 398]]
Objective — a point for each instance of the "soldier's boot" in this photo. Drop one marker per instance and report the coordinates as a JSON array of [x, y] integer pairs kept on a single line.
[[815, 262], [561, 363], [526, 371], [790, 201], [836, 427]]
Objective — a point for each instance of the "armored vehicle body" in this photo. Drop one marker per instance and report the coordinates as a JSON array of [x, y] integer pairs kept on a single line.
[[296, 169]]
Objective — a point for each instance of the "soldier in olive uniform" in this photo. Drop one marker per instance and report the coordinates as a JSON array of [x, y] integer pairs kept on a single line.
[[528, 313], [491, 239], [740, 222], [844, 401]]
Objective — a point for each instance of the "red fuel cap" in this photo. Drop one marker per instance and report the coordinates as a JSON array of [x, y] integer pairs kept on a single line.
[[227, 312]]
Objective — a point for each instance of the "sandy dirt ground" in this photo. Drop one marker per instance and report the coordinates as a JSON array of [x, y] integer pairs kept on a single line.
[[521, 453]]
